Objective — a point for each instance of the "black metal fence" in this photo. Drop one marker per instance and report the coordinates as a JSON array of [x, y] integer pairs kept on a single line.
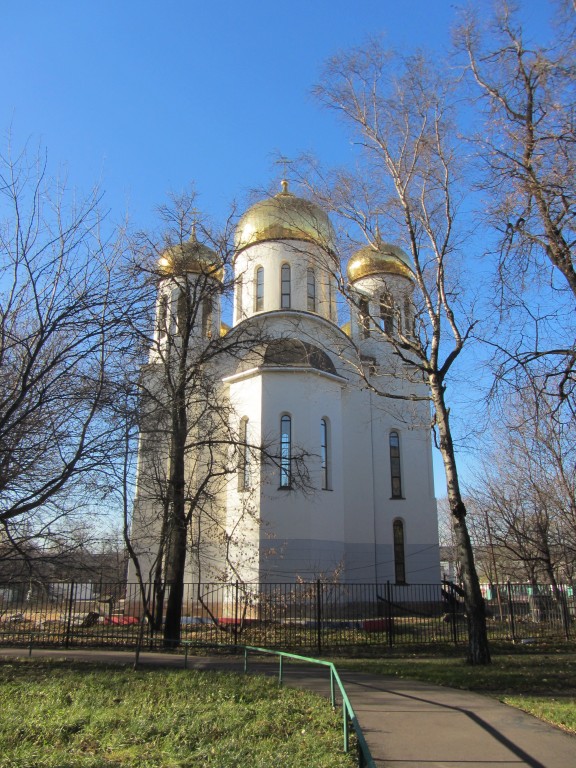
[[314, 616]]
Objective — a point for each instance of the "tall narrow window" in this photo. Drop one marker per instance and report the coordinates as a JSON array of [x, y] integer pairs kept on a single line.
[[387, 314], [207, 309], [285, 287], [182, 312], [399, 553], [311, 290], [408, 318], [364, 317], [162, 316], [259, 303], [395, 473], [331, 301], [285, 452], [244, 479], [324, 457], [238, 290]]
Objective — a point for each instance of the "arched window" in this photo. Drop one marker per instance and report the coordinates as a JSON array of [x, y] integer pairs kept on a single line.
[[387, 314], [395, 473], [324, 454], [162, 316], [259, 292], [182, 310], [364, 317], [311, 289], [207, 310], [331, 301], [408, 317], [239, 297], [244, 479], [399, 552], [285, 287], [285, 451]]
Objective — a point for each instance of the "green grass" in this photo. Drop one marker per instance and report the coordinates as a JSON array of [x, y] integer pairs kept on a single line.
[[543, 684], [555, 709], [65, 715]]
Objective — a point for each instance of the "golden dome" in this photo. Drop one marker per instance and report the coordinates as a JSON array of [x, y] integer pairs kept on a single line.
[[284, 217], [385, 259], [191, 256]]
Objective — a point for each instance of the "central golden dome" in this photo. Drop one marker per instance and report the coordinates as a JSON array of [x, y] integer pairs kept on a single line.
[[191, 256], [384, 258], [284, 217]]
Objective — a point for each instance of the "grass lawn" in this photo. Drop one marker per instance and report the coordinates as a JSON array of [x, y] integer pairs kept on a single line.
[[66, 715], [543, 683]]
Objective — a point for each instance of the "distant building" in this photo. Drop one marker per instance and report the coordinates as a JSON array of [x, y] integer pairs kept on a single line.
[[347, 489]]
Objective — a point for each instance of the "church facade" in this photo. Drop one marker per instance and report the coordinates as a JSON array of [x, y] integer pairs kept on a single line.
[[327, 463]]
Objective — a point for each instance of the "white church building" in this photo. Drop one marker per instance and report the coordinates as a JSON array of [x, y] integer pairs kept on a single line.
[[331, 476]]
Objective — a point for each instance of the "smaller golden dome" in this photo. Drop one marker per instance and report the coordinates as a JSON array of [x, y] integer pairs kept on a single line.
[[385, 259], [191, 256], [284, 217]]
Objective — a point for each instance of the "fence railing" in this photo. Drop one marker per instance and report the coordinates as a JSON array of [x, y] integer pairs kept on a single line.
[[316, 616], [349, 718]]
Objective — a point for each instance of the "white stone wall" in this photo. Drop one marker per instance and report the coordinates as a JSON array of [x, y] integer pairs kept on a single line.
[[346, 531]]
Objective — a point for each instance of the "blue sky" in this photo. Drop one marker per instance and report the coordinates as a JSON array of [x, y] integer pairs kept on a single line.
[[143, 98]]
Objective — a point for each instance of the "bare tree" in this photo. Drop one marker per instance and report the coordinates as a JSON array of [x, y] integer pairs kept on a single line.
[[525, 102], [191, 446], [526, 490], [409, 180], [59, 338]]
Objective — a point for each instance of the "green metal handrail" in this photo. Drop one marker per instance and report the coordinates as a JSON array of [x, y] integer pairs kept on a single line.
[[365, 759]]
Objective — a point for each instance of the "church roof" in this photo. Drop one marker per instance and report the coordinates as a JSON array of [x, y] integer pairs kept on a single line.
[[382, 258], [285, 217], [293, 352], [191, 256]]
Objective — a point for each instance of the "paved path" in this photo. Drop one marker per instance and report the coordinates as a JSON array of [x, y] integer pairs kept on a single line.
[[406, 724]]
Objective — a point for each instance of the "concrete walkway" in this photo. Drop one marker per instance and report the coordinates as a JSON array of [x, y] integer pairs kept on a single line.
[[407, 724]]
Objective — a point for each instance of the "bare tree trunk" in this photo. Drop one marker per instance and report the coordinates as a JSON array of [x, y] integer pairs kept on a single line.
[[402, 110], [178, 524], [478, 650]]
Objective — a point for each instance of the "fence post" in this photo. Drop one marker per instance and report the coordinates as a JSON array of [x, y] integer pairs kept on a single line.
[[332, 689], [236, 615], [139, 641], [319, 615], [151, 605], [345, 727], [565, 614], [147, 607], [389, 617], [69, 621], [511, 611], [454, 617]]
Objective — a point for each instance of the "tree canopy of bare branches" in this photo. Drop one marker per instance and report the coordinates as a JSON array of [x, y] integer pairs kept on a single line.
[[524, 101], [409, 185], [525, 491], [59, 340], [189, 446]]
